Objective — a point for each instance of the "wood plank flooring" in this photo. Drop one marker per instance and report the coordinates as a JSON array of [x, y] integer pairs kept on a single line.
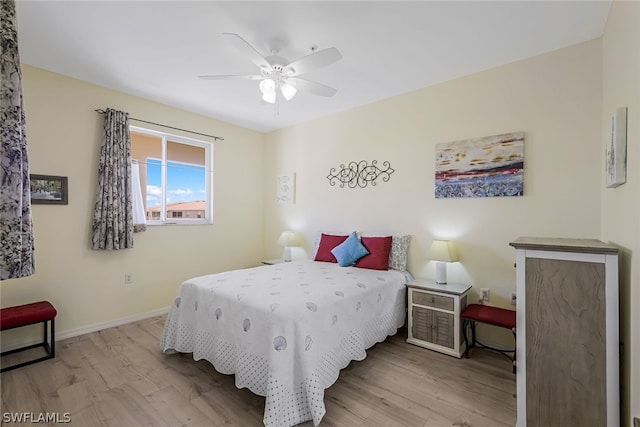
[[119, 377]]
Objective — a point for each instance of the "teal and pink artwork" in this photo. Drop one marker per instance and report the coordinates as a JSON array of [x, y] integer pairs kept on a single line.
[[491, 166]]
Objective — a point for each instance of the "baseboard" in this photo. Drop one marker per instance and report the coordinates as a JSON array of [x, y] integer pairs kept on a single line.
[[70, 333], [110, 324]]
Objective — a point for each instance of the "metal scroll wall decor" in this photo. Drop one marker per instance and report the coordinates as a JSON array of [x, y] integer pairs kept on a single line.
[[360, 174]]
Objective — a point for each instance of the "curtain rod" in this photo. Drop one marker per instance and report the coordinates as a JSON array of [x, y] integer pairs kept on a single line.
[[216, 138]]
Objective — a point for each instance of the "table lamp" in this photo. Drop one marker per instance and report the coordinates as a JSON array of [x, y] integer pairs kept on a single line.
[[288, 239], [443, 252]]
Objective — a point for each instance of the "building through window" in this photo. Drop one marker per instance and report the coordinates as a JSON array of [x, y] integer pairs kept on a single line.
[[176, 177]]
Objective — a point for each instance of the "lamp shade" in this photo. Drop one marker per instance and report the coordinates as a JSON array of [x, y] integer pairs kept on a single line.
[[288, 90], [289, 238], [268, 89], [442, 250], [267, 86]]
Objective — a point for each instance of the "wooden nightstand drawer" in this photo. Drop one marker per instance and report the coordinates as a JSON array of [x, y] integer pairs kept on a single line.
[[430, 300]]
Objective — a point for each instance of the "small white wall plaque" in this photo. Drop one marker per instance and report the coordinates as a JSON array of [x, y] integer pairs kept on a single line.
[[286, 189], [617, 149]]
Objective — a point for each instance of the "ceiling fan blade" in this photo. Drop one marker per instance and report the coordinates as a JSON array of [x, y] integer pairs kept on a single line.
[[244, 47], [312, 87], [232, 77], [313, 61]]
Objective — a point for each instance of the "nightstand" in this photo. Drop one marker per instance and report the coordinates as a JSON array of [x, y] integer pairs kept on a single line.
[[272, 261], [434, 315]]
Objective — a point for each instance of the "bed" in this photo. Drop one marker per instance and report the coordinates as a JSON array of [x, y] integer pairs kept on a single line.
[[286, 330]]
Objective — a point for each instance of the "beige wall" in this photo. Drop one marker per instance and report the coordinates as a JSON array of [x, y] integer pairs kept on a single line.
[[621, 206], [562, 100], [554, 98], [87, 287]]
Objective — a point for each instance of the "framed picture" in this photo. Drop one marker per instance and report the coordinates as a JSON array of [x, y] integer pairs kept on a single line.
[[617, 149], [491, 166], [49, 190], [286, 189]]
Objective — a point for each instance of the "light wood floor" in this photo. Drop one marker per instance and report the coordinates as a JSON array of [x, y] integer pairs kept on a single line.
[[118, 377]]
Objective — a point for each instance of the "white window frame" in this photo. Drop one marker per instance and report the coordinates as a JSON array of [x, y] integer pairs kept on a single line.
[[208, 206]]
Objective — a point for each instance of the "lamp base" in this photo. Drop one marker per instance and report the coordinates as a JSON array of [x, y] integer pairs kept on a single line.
[[441, 273], [286, 254]]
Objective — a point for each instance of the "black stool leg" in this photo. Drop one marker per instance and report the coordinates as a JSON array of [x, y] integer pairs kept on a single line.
[[473, 333], [465, 324], [53, 337], [45, 336]]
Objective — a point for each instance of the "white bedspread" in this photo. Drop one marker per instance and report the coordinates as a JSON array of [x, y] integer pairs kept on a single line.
[[286, 330]]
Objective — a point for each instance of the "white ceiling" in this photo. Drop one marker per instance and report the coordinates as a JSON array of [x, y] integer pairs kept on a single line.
[[155, 49]]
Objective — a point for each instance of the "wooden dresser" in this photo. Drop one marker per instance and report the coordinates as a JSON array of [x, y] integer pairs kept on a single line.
[[567, 333]]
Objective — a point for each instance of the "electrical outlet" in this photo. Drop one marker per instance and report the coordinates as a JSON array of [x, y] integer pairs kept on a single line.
[[128, 278], [513, 298], [484, 294]]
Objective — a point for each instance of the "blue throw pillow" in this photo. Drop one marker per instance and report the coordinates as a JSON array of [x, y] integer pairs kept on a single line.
[[349, 251]]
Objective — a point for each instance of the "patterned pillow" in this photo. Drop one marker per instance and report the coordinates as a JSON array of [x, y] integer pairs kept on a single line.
[[349, 251], [399, 250]]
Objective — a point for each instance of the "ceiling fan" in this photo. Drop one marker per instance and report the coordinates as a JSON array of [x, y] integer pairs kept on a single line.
[[278, 75]]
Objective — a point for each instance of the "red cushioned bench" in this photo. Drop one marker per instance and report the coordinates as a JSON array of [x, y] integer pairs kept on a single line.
[[495, 316], [30, 314]]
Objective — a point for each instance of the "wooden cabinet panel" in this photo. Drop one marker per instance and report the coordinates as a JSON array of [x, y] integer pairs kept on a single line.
[[567, 333], [444, 329], [422, 325], [433, 326], [567, 313]]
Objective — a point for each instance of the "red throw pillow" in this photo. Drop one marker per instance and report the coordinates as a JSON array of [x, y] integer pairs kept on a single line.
[[378, 258], [327, 243]]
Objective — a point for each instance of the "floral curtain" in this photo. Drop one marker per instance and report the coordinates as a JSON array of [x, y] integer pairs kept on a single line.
[[139, 217], [113, 214], [16, 231]]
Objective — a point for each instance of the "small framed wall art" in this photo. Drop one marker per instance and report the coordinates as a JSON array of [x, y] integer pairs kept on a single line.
[[286, 189], [49, 190], [617, 149]]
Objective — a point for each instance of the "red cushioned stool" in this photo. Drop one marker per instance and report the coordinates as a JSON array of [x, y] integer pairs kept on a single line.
[[30, 314], [495, 316]]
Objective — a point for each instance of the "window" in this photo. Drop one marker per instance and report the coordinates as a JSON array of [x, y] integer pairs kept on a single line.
[[176, 177]]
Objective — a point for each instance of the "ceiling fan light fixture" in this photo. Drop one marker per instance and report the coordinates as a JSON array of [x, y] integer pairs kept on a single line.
[[269, 97], [268, 86], [279, 77], [268, 89], [288, 90]]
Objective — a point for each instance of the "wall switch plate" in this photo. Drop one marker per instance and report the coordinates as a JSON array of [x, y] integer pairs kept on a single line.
[[513, 298], [484, 294], [128, 278]]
